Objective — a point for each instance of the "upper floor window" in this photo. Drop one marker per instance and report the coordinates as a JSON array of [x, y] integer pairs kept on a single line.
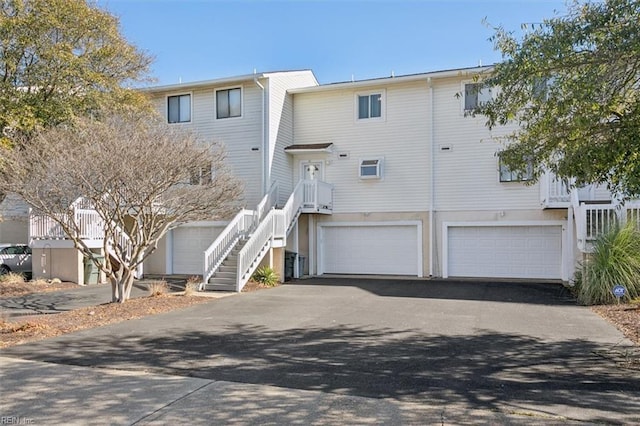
[[475, 95], [370, 106], [508, 175], [201, 175], [179, 108], [229, 103]]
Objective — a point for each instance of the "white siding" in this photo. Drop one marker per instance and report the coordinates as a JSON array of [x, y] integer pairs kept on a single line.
[[238, 135], [13, 207], [280, 109], [466, 176], [401, 139]]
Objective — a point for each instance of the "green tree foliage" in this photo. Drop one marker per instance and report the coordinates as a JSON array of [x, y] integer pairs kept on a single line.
[[60, 59], [572, 84]]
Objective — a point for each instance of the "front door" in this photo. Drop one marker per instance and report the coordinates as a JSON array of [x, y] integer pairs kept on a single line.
[[311, 170]]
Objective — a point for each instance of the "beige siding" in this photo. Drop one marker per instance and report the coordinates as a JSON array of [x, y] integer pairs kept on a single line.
[[466, 177], [400, 139]]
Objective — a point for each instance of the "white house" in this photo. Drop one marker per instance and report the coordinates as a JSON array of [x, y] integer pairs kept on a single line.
[[386, 176]]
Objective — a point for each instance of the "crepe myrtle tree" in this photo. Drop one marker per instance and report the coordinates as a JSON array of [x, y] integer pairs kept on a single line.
[[134, 177], [572, 84]]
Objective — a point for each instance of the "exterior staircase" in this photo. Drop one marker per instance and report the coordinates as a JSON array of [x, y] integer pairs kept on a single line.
[[232, 258], [225, 277]]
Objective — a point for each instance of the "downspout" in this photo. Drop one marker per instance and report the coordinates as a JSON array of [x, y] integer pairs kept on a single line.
[[265, 149], [431, 178]]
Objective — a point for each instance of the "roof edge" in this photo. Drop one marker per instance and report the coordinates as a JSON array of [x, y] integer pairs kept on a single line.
[[394, 79]]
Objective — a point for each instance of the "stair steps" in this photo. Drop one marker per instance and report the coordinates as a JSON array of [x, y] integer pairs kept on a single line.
[[225, 277]]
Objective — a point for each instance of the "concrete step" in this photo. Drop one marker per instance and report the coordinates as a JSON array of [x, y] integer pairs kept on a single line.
[[220, 286], [221, 274]]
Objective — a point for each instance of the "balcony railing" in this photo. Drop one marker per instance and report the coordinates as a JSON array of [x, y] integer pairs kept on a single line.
[[88, 223], [593, 220]]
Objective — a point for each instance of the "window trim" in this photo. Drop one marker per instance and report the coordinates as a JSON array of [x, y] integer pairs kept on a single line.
[[215, 102], [378, 167], [463, 98], [369, 93], [518, 178], [173, 95], [201, 175]]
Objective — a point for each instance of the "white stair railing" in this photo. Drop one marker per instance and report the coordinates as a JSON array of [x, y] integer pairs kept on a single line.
[[264, 228], [215, 254], [267, 203], [255, 248], [241, 225]]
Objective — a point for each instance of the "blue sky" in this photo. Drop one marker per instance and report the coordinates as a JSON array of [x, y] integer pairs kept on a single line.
[[194, 40]]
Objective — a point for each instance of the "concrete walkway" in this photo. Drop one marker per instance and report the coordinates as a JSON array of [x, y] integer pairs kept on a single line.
[[327, 351]]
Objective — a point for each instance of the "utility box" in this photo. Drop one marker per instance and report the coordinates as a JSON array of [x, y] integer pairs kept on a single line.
[[91, 271]]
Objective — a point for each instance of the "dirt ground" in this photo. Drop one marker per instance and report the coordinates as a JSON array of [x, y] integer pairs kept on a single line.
[[625, 317]]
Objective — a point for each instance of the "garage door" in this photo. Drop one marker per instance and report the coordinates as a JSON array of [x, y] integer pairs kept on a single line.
[[365, 249], [189, 243], [505, 251]]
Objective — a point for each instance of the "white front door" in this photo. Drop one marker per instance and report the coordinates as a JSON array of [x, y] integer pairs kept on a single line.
[[311, 170]]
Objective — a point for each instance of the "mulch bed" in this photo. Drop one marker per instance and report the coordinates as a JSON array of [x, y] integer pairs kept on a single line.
[[37, 327], [15, 289], [626, 317]]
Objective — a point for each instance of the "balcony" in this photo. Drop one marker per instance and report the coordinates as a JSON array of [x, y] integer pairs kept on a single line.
[[556, 193]]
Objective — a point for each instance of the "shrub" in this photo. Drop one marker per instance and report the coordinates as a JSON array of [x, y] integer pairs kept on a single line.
[[12, 278], [157, 288], [192, 285], [266, 276], [615, 260]]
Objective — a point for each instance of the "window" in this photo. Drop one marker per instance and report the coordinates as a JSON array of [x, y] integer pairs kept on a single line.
[[229, 103], [370, 106], [508, 175], [179, 108], [475, 95], [541, 87], [201, 175], [370, 169]]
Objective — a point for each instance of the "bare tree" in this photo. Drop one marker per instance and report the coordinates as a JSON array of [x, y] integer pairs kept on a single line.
[[140, 176]]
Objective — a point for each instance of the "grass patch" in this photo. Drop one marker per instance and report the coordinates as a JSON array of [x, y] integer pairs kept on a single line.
[[157, 288], [12, 278], [192, 285]]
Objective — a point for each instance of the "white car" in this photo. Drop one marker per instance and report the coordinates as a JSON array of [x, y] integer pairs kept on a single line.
[[15, 258]]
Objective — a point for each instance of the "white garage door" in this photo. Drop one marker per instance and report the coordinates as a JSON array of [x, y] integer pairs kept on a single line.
[[366, 249], [505, 251], [189, 243]]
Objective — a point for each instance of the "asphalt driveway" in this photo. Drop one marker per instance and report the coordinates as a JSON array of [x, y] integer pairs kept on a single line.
[[358, 351]]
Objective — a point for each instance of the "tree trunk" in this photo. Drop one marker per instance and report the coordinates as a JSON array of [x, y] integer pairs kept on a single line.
[[114, 288]]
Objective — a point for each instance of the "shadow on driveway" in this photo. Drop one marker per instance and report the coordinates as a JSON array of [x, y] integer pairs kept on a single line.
[[487, 371], [430, 343], [543, 293]]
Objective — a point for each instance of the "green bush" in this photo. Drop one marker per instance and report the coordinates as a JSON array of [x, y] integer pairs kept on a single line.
[[615, 260], [266, 276]]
